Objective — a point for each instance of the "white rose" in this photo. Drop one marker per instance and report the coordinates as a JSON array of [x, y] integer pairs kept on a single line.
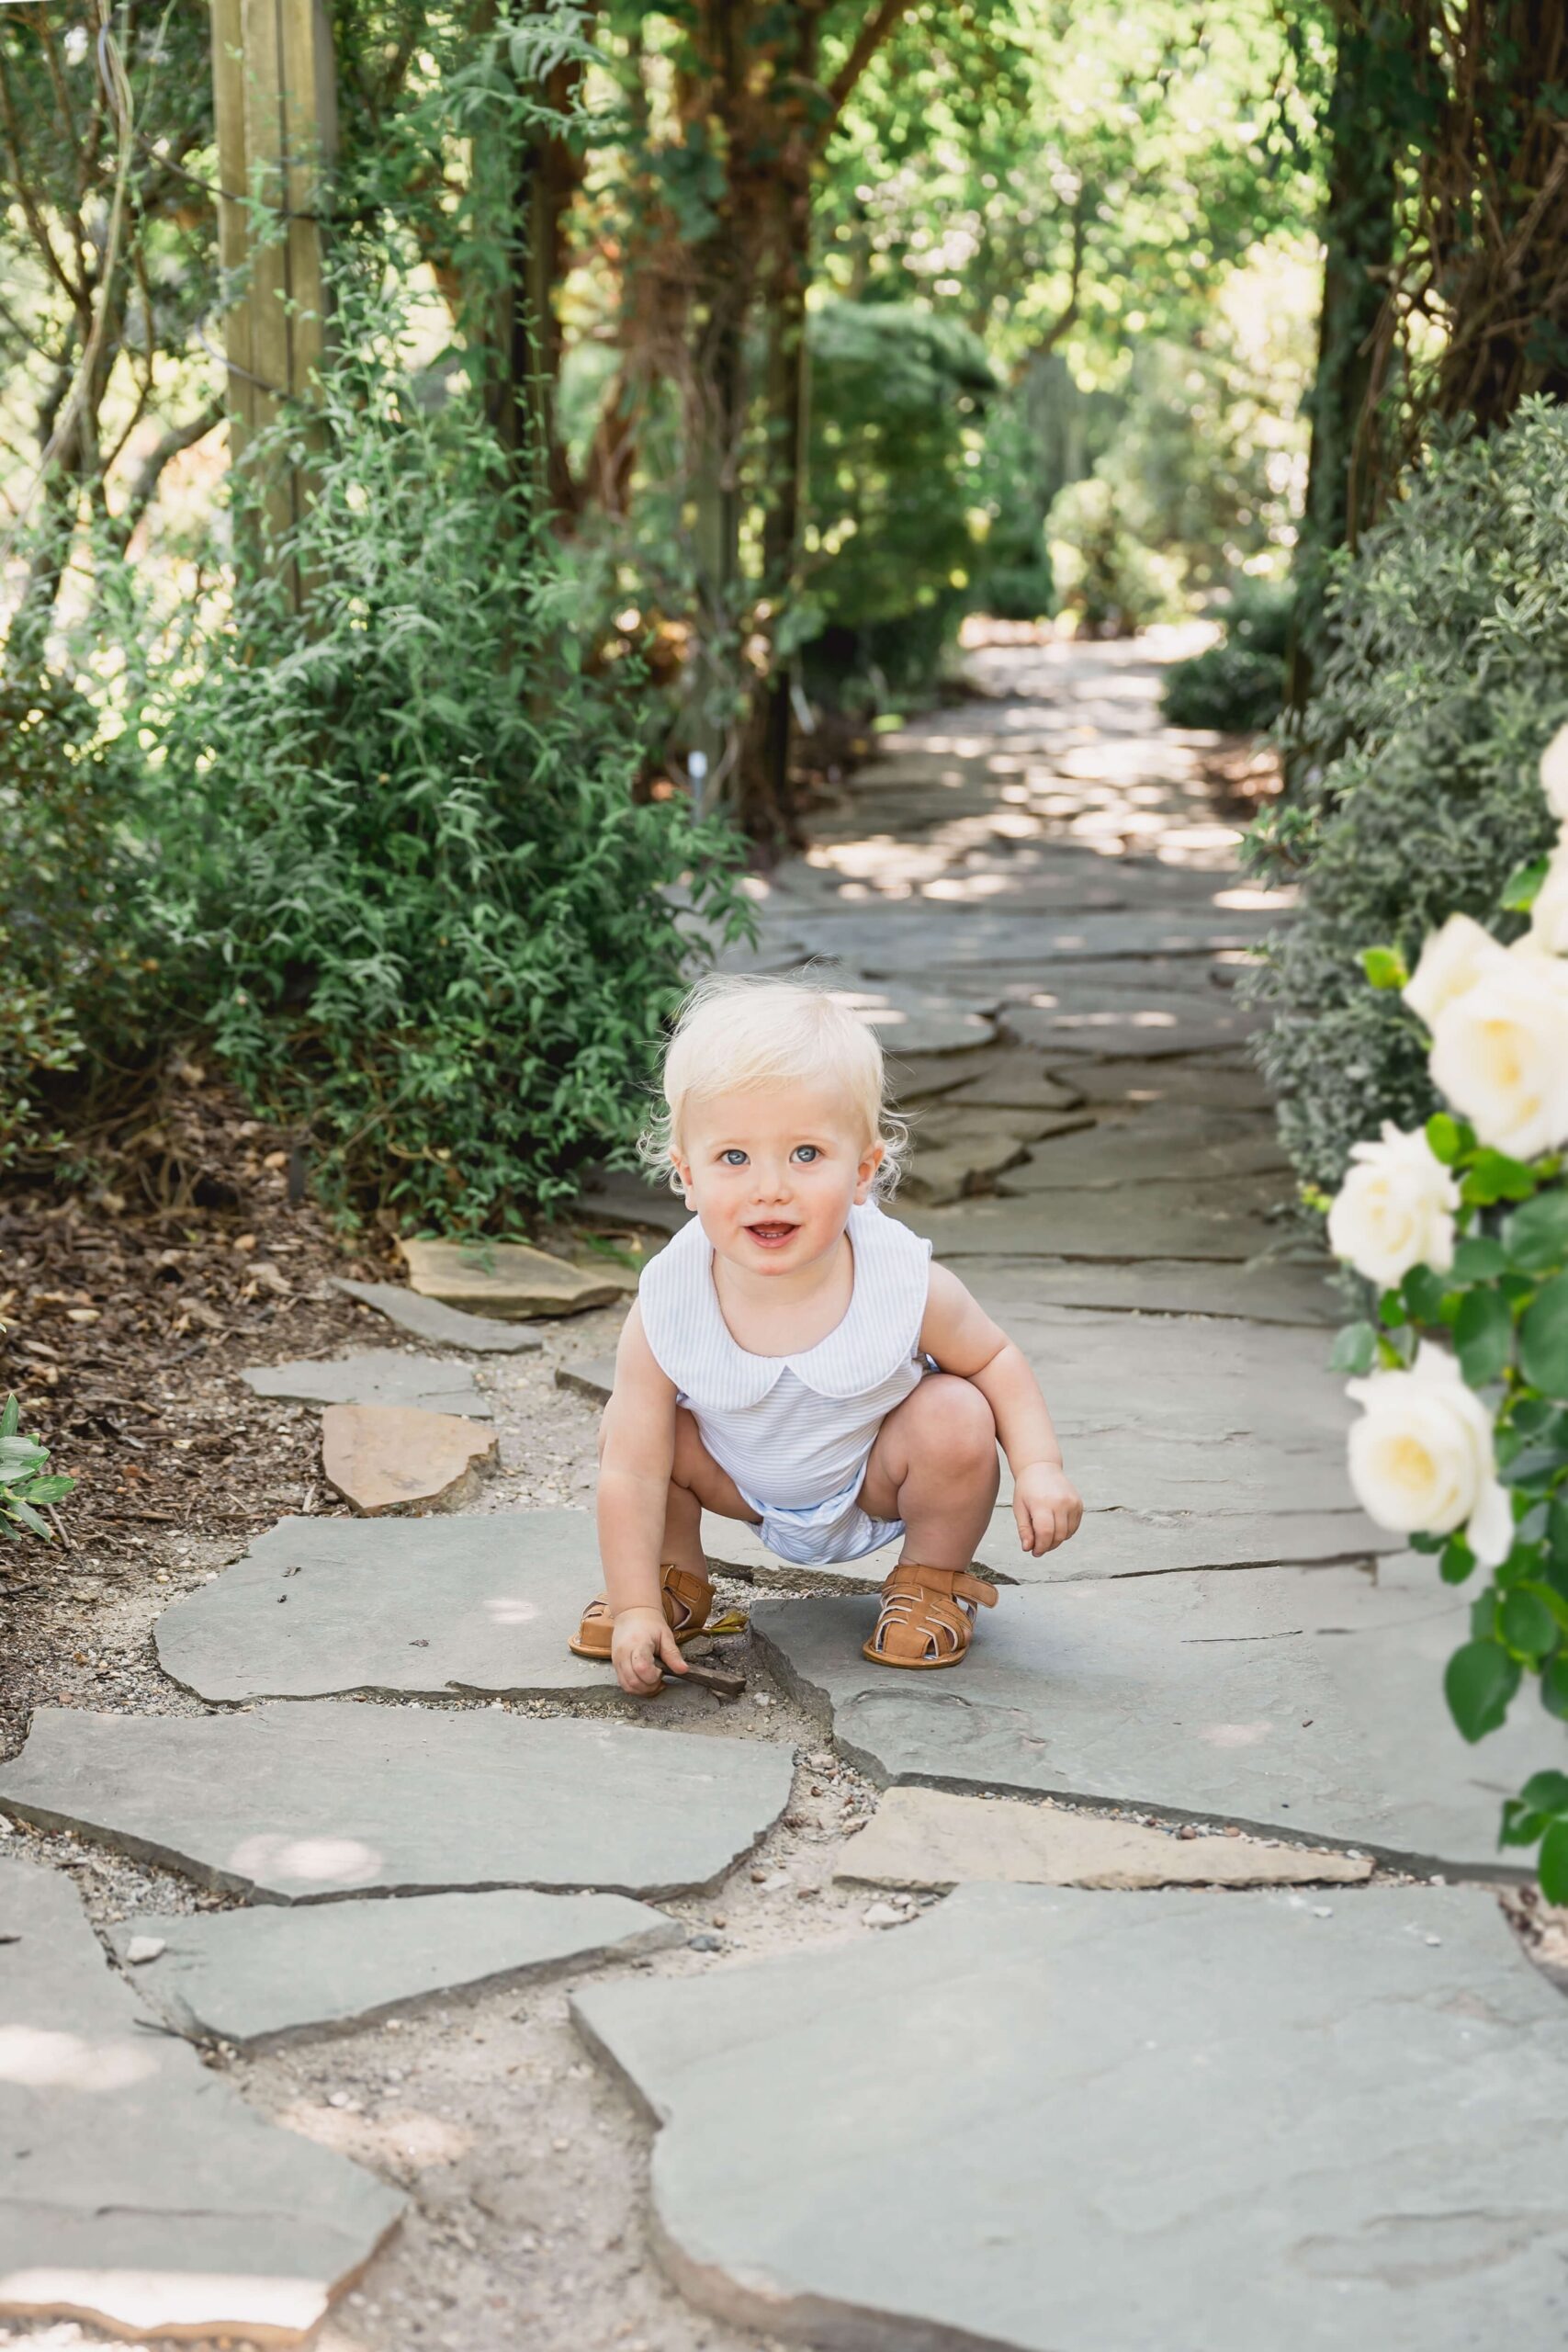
[[1549, 915], [1554, 774], [1421, 1456], [1395, 1209], [1452, 959], [1500, 1054]]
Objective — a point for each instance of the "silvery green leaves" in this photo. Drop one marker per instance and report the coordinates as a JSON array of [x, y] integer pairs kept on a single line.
[[27, 1485]]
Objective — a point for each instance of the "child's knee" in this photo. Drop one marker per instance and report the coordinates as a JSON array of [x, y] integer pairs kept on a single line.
[[958, 1430]]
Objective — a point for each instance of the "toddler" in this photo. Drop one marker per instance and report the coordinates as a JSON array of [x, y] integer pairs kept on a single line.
[[796, 1360]]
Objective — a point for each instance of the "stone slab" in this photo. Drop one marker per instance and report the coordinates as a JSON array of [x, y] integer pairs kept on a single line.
[[393, 1457], [1303, 1703], [592, 1377], [1228, 1219], [1115, 1025], [296, 1803], [1261, 1290], [1055, 2121], [916, 1021], [616, 1196], [265, 1971], [1173, 1377], [1217, 1085], [1170, 1144], [447, 1326], [931, 1838], [984, 937], [141, 2195], [507, 1280], [373, 1376], [1002, 1077], [962, 1151], [478, 1604]]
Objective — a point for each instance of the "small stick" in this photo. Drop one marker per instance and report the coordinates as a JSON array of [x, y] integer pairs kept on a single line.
[[716, 1679]]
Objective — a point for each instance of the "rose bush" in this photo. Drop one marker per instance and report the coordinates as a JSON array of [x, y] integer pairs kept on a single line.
[[1460, 1227]]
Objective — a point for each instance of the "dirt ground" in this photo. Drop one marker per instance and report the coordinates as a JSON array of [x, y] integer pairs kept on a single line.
[[128, 1319]]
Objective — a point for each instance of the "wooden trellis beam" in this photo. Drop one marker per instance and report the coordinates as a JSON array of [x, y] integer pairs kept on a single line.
[[274, 97]]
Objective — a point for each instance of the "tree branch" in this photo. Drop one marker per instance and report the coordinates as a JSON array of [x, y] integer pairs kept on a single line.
[[144, 489], [866, 43], [75, 294]]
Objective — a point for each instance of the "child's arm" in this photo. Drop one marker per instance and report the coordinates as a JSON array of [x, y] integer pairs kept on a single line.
[[636, 1454], [963, 1337]]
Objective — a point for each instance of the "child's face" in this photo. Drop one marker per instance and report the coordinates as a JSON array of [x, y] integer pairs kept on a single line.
[[774, 1172]]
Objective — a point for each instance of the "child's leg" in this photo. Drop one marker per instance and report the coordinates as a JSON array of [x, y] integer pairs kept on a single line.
[[934, 1466], [696, 1484]]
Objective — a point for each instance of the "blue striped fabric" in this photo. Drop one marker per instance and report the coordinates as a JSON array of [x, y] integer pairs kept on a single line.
[[791, 1430]]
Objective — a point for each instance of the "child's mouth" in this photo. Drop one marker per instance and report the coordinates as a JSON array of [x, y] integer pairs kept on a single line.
[[771, 1237]]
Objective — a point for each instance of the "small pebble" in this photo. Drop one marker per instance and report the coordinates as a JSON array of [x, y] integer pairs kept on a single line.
[[1434, 1939], [339, 2098], [141, 1949], [705, 1942], [883, 1914], [1188, 1829], [1231, 1829], [760, 1699], [1323, 1911], [776, 1883]]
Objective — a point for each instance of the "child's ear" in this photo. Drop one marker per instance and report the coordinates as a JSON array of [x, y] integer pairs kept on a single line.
[[684, 1173], [865, 1176]]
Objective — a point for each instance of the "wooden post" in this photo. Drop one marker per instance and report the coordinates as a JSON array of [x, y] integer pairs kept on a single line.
[[275, 109]]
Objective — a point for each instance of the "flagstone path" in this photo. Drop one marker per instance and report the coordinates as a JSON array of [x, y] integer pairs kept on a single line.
[[1188, 2055]]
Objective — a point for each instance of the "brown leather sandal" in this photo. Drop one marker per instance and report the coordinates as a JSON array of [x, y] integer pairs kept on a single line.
[[686, 1599], [927, 1619]]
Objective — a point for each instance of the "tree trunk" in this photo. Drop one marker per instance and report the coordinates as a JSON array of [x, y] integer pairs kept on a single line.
[[275, 110], [714, 401], [525, 333], [1500, 214], [788, 398], [1359, 233]]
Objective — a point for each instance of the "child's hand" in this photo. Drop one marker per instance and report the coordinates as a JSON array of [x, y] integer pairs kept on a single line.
[[643, 1650], [1046, 1506]]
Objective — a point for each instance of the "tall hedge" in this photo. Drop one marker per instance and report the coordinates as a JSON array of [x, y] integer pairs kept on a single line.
[[1418, 792]]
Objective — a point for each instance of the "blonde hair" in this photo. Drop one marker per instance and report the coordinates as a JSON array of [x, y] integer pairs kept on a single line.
[[734, 1032]]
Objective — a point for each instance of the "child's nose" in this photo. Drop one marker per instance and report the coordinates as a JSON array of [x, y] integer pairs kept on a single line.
[[772, 1179]]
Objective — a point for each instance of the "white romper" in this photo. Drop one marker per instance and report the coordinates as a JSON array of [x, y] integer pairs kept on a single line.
[[794, 1431]]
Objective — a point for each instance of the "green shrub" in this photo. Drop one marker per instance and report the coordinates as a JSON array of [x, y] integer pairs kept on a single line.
[[437, 928], [1239, 685], [74, 965], [387, 858], [1107, 578], [894, 387], [1418, 758], [1017, 592], [1227, 687]]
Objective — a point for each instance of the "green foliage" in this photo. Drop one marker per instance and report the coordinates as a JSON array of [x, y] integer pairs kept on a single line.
[[28, 1487], [1503, 1308], [894, 390], [71, 957], [1106, 575], [1417, 759], [1238, 685], [435, 927]]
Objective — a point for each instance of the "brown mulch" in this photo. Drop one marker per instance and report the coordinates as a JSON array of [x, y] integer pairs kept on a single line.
[[128, 1309]]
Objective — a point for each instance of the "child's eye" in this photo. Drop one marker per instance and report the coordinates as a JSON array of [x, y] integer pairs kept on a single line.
[[733, 1158], [806, 1152]]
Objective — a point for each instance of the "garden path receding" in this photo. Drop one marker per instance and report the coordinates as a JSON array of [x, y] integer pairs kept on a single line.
[[535, 2014]]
